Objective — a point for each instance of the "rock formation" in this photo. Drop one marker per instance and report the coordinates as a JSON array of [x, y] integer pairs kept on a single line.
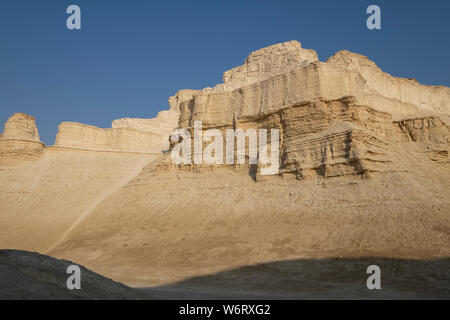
[[20, 140], [31, 276], [364, 171], [326, 111], [81, 136], [129, 135], [21, 127], [345, 74], [161, 126]]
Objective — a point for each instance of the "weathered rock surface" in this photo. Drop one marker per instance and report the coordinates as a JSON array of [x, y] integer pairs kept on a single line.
[[42, 200], [161, 126], [343, 75], [13, 151], [27, 275], [364, 172], [81, 136], [129, 135], [20, 140], [21, 127], [343, 116]]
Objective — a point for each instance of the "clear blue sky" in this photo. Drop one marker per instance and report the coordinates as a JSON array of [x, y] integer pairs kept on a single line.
[[130, 56]]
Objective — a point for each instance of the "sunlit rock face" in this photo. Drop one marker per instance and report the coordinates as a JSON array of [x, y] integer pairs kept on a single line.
[[364, 171], [21, 127], [344, 116], [128, 135], [20, 140]]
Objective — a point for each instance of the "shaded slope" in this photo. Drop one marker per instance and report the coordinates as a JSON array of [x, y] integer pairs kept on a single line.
[[26, 275]]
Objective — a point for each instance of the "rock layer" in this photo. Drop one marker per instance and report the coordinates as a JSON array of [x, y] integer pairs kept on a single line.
[[81, 136], [31, 276], [129, 135], [343, 75], [20, 140], [161, 126]]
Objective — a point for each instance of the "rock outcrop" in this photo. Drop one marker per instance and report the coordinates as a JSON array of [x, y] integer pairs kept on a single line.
[[20, 140], [364, 172], [286, 85], [32, 276], [161, 126], [129, 135], [21, 127], [326, 111], [82, 136]]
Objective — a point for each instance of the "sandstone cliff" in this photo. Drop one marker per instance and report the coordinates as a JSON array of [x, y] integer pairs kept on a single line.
[[298, 78], [20, 140], [364, 171], [21, 127], [129, 135], [161, 126], [81, 136]]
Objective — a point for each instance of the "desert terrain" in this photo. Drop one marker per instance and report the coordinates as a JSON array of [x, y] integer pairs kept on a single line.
[[364, 179]]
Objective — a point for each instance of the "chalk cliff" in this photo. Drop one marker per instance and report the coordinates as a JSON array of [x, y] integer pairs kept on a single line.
[[20, 140], [364, 171], [129, 135], [343, 116], [161, 126], [258, 88]]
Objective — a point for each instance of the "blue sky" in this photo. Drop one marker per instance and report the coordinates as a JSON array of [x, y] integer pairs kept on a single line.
[[130, 56]]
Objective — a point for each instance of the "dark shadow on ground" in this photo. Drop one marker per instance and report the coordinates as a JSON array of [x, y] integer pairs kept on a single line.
[[318, 279]]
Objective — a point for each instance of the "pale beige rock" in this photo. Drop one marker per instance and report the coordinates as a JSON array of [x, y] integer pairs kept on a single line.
[[364, 173], [285, 85], [81, 136], [20, 140], [129, 135], [31, 276], [268, 62], [161, 126], [21, 127]]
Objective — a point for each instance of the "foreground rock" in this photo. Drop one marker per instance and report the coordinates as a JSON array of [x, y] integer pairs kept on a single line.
[[26, 275]]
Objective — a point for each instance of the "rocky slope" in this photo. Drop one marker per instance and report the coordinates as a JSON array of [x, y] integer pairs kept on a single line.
[[26, 275], [364, 172]]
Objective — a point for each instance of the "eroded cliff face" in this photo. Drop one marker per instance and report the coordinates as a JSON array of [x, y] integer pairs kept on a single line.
[[161, 127], [21, 127], [20, 140], [257, 89], [364, 171], [129, 135], [81, 136], [340, 117]]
